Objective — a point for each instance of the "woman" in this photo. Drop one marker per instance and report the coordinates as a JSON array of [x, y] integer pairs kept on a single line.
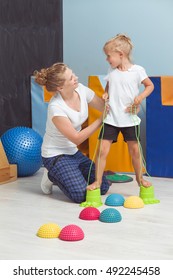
[[64, 164]]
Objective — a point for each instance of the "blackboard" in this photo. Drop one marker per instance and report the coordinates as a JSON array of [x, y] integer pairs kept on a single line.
[[30, 38]]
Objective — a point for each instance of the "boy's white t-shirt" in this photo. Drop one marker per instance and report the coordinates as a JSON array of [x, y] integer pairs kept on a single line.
[[123, 88], [55, 143]]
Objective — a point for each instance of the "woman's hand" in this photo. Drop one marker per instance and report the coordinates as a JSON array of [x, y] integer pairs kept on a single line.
[[105, 97]]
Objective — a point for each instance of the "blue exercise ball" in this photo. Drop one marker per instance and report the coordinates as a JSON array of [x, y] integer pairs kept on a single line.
[[22, 146]]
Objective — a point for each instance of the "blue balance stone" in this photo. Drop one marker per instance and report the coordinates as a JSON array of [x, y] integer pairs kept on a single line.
[[110, 215], [115, 199]]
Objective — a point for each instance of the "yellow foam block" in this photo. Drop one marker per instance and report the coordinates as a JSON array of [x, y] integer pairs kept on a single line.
[[167, 90], [4, 161], [8, 172], [47, 95]]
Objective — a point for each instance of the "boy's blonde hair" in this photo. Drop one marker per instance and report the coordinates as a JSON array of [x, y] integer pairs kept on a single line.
[[51, 77], [119, 43]]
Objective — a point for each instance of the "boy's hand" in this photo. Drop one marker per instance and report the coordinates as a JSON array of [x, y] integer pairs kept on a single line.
[[137, 100], [133, 109], [105, 97]]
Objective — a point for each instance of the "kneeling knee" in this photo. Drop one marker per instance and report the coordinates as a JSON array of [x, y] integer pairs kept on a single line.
[[78, 198]]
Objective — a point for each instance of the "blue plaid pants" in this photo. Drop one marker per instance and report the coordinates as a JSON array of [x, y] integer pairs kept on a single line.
[[70, 173]]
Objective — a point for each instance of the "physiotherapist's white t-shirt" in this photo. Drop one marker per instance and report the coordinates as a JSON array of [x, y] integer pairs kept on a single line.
[[55, 143], [123, 88]]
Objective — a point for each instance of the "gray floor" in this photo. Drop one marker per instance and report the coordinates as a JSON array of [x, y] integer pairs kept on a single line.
[[143, 234]]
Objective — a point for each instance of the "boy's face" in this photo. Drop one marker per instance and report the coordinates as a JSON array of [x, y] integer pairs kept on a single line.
[[114, 58]]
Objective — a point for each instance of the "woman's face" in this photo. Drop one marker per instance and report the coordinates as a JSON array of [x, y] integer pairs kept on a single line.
[[71, 80]]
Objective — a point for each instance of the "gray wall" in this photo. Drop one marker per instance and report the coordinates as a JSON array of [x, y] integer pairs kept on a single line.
[[88, 24]]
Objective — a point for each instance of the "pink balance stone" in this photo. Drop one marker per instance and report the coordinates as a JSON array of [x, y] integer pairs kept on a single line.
[[71, 233], [89, 213]]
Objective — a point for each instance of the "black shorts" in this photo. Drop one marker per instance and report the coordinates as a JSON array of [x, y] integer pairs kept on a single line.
[[110, 132]]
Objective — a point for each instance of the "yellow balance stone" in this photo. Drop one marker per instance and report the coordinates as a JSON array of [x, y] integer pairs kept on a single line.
[[49, 230]]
